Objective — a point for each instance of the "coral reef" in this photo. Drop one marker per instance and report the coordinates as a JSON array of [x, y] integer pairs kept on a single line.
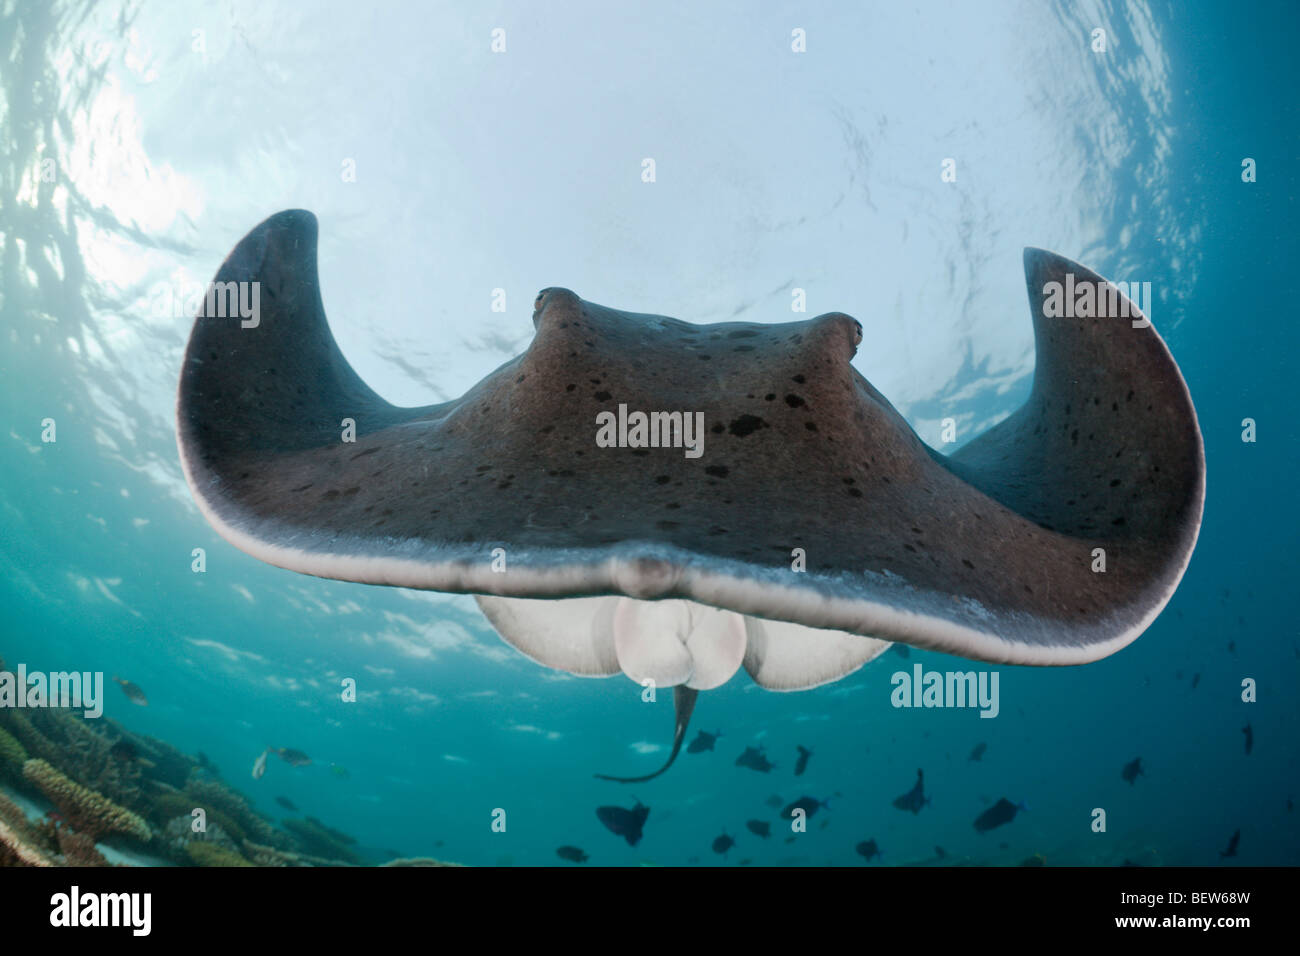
[[319, 840], [210, 854], [419, 861], [84, 809], [108, 781], [12, 755], [21, 843]]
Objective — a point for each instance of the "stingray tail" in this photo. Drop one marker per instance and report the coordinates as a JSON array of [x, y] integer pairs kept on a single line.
[[683, 707]]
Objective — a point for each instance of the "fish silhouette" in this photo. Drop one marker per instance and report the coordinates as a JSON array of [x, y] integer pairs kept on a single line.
[[867, 849], [623, 822], [723, 843], [759, 828], [915, 798], [809, 805], [978, 751], [703, 741], [1132, 770], [755, 759], [1250, 738], [571, 853], [1232, 845], [801, 763], [1002, 812]]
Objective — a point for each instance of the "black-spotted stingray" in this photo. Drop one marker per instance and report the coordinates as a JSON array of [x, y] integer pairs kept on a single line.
[[798, 533]]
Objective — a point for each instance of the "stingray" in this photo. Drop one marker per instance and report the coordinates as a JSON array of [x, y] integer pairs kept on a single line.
[[674, 501], [703, 741]]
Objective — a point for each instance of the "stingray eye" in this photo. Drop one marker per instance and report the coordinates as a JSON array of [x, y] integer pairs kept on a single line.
[[857, 333]]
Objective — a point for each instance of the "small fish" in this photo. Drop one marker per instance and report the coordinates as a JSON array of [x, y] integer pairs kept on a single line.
[[1196, 679], [789, 839], [287, 804], [1232, 845], [868, 848], [978, 752], [940, 852], [572, 854], [755, 759], [624, 823], [703, 742], [902, 650], [801, 763], [123, 750], [809, 806], [1232, 647], [915, 798], [259, 765], [294, 758], [746, 861], [723, 843], [1132, 770], [339, 771], [1004, 811], [759, 828], [774, 801], [1250, 738], [1036, 860], [1128, 862], [132, 691]]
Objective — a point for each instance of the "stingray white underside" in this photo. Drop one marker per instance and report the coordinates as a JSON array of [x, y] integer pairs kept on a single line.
[[674, 642]]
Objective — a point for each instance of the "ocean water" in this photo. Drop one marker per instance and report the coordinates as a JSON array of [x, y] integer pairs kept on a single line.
[[142, 141]]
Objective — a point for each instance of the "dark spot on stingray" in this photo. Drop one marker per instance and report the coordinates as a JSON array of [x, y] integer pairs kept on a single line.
[[1114, 406], [362, 454], [743, 348], [520, 379], [747, 424], [855, 492], [794, 401], [483, 468], [667, 525], [847, 481], [353, 490], [639, 452], [1118, 521], [303, 488], [662, 479], [718, 429], [1114, 482], [332, 493], [742, 334], [672, 506], [1074, 437], [968, 564], [602, 396], [908, 547], [811, 426], [705, 358], [569, 388], [1129, 397], [718, 471], [770, 396], [717, 530], [800, 379], [546, 430]]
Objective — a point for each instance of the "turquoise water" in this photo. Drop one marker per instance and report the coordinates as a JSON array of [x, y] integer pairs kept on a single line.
[[776, 170]]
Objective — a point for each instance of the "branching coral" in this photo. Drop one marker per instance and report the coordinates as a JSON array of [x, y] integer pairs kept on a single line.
[[21, 844], [78, 849], [322, 841], [209, 854], [83, 808], [240, 819], [419, 861], [12, 755]]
